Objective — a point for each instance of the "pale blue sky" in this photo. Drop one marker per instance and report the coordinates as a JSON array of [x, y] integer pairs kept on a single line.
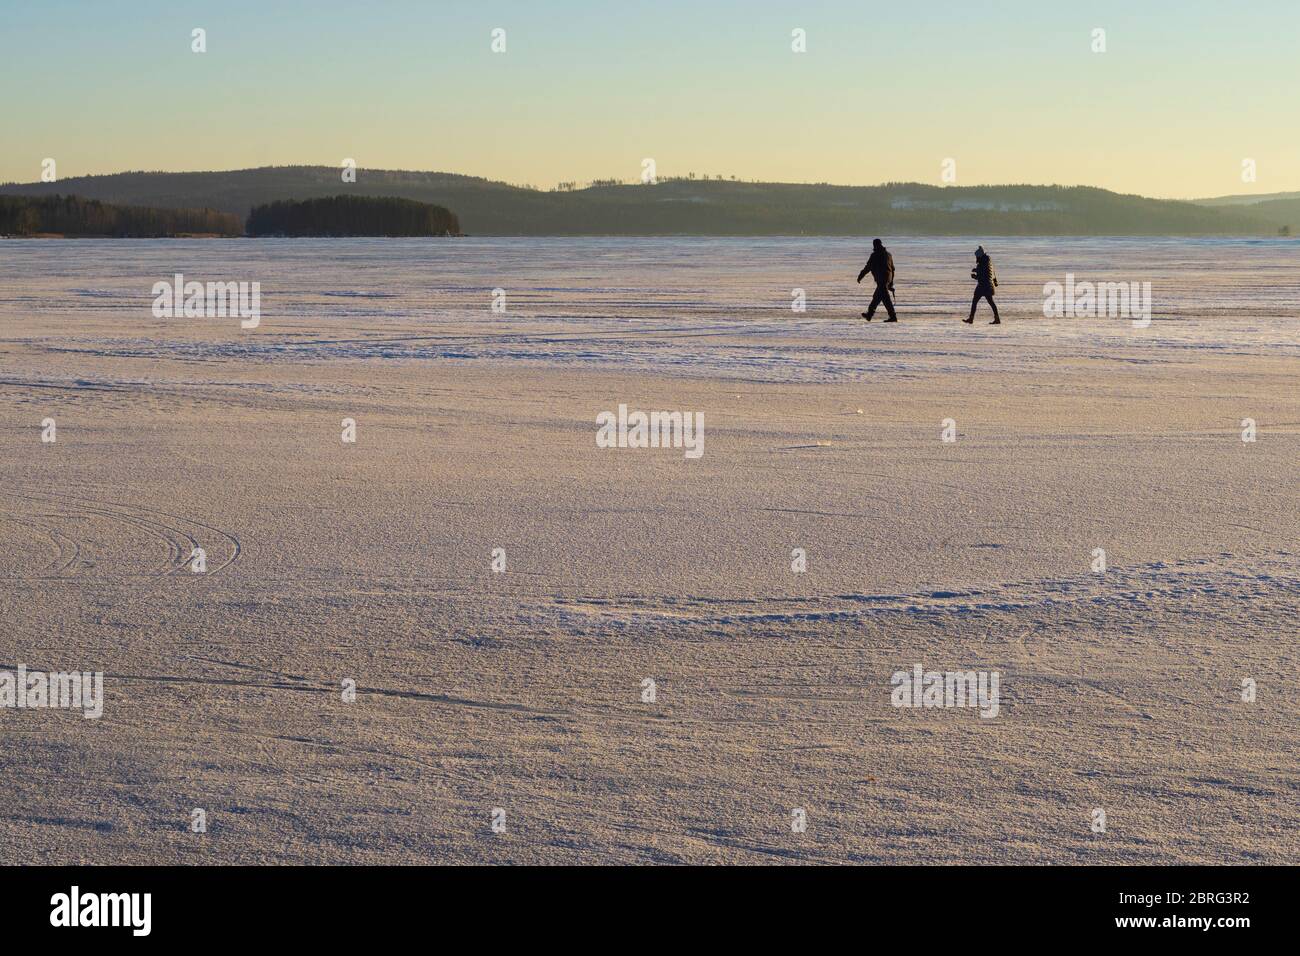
[[1010, 90]]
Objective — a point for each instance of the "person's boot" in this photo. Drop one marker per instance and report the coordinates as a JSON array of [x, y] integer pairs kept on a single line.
[[892, 318], [970, 321], [867, 316], [996, 322]]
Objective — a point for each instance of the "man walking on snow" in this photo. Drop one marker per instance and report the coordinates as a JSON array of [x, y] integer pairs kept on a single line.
[[881, 267]]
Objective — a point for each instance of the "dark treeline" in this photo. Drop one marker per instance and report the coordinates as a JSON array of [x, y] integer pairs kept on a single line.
[[75, 216], [352, 216], [711, 206], [727, 207]]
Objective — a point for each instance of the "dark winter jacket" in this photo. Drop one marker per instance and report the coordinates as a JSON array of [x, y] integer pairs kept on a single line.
[[985, 276], [881, 267]]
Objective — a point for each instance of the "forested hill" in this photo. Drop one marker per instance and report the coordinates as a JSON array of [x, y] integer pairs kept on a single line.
[[696, 206], [352, 216], [76, 216], [1281, 208]]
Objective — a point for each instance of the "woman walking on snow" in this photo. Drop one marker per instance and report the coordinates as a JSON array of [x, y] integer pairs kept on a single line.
[[986, 281]]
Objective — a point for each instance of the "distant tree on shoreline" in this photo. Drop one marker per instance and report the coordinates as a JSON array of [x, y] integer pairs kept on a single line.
[[75, 216], [352, 216]]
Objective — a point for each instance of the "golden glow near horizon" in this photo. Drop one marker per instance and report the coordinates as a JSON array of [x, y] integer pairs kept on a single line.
[[1181, 100]]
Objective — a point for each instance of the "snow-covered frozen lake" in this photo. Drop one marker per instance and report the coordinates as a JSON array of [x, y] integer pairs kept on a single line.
[[690, 305], [1167, 452]]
